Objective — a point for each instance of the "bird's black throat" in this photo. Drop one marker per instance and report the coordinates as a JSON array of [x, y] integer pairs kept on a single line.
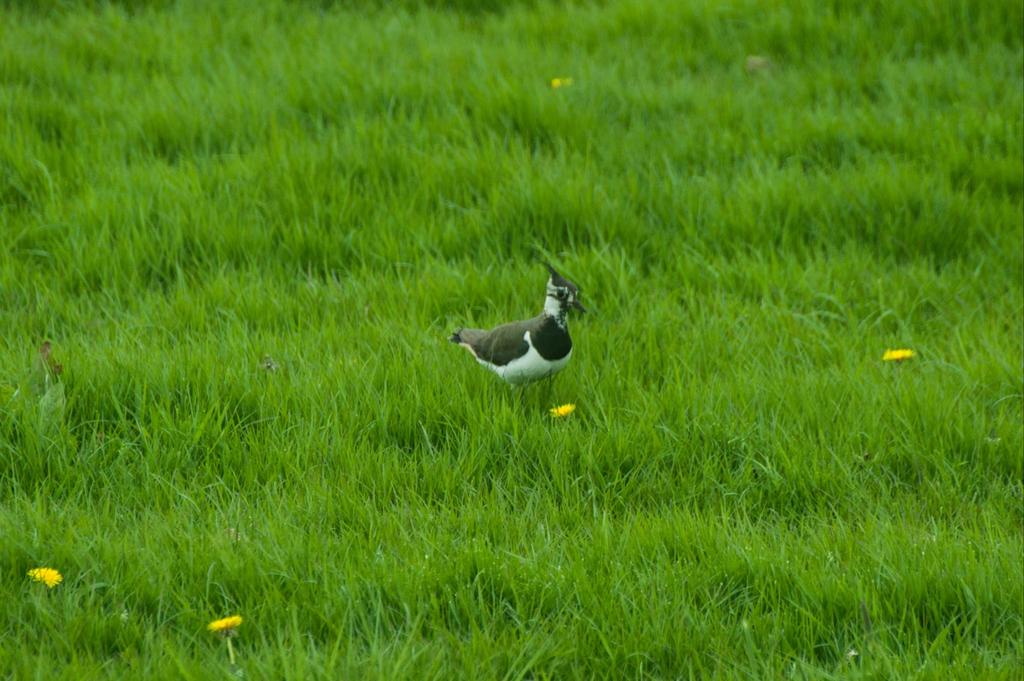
[[552, 339]]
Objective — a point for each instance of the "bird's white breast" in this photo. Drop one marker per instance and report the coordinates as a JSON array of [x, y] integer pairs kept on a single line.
[[530, 367]]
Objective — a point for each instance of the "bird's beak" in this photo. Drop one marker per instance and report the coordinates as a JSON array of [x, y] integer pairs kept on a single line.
[[579, 306]]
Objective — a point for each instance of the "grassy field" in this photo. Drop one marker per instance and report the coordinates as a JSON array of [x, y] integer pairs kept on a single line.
[[746, 490]]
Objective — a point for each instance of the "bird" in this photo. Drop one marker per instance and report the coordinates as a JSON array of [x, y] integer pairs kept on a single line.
[[526, 351]]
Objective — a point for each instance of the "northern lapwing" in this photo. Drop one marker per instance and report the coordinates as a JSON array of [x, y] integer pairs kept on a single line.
[[527, 351]]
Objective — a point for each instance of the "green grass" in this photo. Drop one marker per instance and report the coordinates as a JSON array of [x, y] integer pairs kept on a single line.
[[745, 490]]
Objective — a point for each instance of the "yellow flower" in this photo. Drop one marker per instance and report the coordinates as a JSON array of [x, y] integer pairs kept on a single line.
[[560, 82], [47, 576], [897, 355], [563, 411], [225, 626]]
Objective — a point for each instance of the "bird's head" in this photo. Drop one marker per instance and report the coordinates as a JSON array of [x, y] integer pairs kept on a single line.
[[562, 294]]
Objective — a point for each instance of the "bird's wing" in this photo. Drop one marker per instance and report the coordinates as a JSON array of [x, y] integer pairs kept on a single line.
[[500, 345]]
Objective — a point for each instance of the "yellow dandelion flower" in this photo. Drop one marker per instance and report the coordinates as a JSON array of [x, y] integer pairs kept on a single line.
[[897, 355], [562, 411], [47, 576], [560, 82], [226, 625]]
